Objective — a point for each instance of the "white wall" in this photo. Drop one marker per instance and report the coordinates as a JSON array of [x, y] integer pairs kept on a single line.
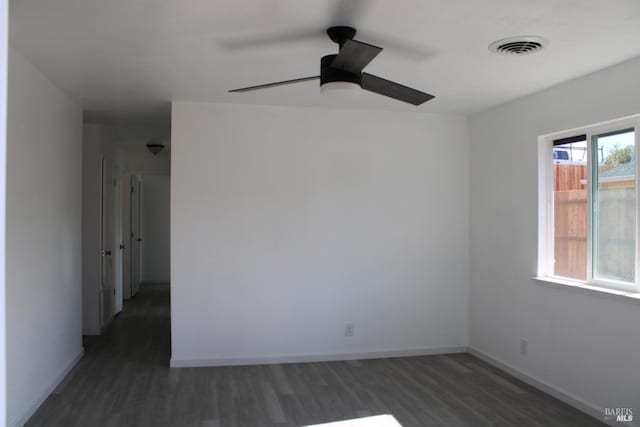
[[44, 316], [91, 205], [4, 59], [154, 218], [287, 223], [584, 344]]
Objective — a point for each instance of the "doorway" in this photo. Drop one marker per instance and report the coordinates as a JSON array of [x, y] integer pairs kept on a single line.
[[153, 226], [145, 231], [133, 236], [110, 245]]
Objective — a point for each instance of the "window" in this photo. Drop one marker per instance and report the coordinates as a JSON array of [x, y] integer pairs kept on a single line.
[[588, 206]]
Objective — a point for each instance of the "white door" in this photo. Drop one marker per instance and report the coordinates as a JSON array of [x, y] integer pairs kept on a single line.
[[107, 243], [126, 236], [118, 246], [136, 238]]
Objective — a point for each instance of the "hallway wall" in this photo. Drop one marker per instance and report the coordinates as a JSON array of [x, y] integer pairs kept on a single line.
[[4, 56], [91, 204], [155, 228], [44, 314]]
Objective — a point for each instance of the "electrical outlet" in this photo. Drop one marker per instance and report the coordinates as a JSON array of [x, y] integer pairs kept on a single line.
[[523, 346], [348, 329]]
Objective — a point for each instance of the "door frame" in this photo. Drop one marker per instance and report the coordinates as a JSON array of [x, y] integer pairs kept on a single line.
[[135, 230], [126, 235], [135, 238], [118, 244]]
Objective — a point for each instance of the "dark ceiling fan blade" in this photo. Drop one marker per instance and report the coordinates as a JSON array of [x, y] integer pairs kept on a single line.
[[393, 90], [354, 56], [268, 85]]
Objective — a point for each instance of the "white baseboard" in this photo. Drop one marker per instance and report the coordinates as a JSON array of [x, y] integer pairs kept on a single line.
[[47, 390], [270, 360], [560, 394]]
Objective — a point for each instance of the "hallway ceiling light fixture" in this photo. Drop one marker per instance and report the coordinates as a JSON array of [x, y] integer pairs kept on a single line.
[[155, 147]]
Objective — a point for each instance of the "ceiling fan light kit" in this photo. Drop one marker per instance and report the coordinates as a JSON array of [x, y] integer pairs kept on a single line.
[[340, 89], [342, 73], [336, 82]]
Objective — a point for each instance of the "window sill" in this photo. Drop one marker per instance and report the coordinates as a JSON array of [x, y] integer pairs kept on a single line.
[[628, 296]]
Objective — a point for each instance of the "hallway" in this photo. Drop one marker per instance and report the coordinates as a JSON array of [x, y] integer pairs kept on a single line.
[[123, 377], [124, 380]]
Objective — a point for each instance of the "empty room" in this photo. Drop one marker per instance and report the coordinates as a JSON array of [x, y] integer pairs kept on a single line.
[[338, 213]]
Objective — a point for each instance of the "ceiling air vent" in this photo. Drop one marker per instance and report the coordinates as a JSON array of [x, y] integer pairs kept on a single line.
[[519, 45]]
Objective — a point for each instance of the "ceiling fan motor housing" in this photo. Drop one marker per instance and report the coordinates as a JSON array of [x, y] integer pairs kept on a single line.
[[329, 74], [340, 34]]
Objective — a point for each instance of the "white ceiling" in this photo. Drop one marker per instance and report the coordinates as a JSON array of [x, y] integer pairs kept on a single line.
[[126, 59]]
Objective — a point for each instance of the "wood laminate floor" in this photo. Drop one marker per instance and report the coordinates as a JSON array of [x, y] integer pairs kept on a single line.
[[124, 380]]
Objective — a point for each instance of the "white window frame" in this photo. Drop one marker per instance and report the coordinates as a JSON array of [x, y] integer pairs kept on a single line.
[[546, 205]]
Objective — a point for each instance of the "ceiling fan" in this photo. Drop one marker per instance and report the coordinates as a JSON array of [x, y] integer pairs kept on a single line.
[[343, 72]]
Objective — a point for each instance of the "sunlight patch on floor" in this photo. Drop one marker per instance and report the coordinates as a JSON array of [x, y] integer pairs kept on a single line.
[[375, 421]]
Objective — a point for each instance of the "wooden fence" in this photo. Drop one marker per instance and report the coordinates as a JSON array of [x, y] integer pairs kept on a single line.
[[570, 221], [570, 177], [615, 237], [570, 233]]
